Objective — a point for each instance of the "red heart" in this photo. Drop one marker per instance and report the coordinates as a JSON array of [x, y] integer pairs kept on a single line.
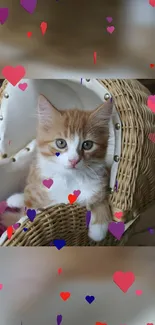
[[65, 295], [150, 324], [152, 3], [13, 74], [124, 280], [118, 215], [72, 198], [29, 34], [9, 231], [99, 323], [60, 270], [43, 27], [151, 65]]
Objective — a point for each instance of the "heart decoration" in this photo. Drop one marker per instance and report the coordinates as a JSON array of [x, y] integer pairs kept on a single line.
[[65, 295], [151, 137], [48, 182], [77, 193], [139, 292], [116, 229], [9, 232], [124, 280], [109, 19], [90, 299], [13, 74], [23, 86], [4, 13], [16, 226], [31, 213], [118, 215], [151, 103], [59, 319], [59, 243], [43, 27], [152, 3], [110, 29], [72, 198], [88, 218], [60, 270], [29, 5]]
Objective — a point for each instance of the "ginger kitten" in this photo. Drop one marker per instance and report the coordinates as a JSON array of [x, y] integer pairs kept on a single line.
[[81, 138]]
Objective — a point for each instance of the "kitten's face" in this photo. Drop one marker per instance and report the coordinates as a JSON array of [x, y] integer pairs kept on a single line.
[[80, 138]]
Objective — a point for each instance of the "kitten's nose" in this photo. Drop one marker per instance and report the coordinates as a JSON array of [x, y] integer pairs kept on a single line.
[[74, 162]]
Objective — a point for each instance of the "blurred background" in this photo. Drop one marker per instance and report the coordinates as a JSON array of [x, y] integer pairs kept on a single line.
[[76, 29], [32, 286]]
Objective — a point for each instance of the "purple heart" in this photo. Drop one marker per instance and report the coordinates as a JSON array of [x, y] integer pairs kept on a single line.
[[29, 5], [59, 319], [90, 299], [151, 230], [16, 225], [57, 154], [31, 214], [88, 217], [4, 13], [25, 229], [77, 193], [109, 19], [116, 229]]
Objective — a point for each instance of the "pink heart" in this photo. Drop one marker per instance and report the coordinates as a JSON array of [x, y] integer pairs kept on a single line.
[[3, 206], [77, 193], [1, 286], [151, 103], [118, 215], [139, 292], [16, 225], [110, 29], [48, 182], [23, 86], [151, 137]]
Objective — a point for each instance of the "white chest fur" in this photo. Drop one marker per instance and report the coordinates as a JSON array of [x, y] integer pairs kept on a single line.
[[66, 183]]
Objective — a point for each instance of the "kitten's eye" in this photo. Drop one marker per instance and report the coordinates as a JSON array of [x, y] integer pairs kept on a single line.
[[61, 143], [87, 145]]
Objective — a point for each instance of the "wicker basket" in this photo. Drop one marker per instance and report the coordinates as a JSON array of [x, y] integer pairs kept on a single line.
[[136, 177]]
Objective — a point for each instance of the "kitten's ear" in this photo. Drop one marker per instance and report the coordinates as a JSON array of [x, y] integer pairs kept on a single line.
[[103, 113], [46, 111]]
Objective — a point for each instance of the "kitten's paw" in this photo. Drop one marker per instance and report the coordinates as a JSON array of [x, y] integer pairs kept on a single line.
[[16, 201], [97, 232]]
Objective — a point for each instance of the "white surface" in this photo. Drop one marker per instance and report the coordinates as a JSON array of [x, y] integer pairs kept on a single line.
[[31, 286]]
